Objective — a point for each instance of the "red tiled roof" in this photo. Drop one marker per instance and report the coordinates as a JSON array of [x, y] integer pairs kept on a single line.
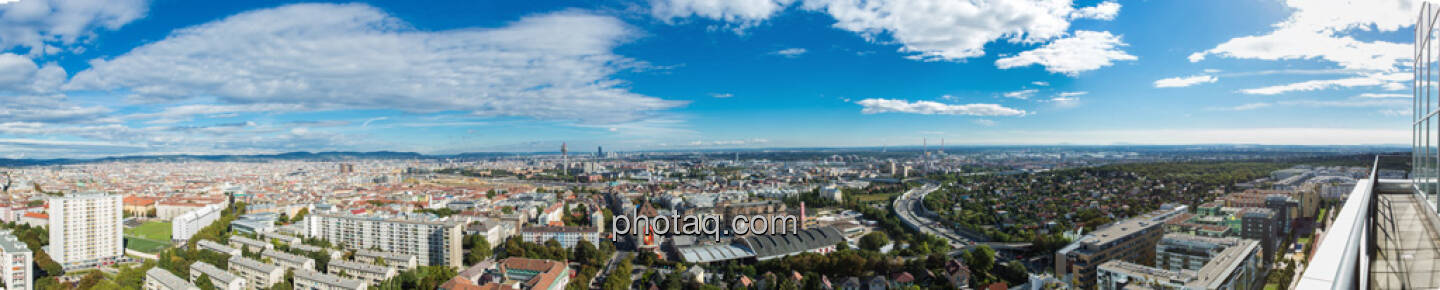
[[37, 215]]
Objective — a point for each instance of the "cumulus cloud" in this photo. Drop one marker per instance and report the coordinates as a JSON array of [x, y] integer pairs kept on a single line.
[[1318, 29], [876, 106], [18, 74], [1040, 83], [1084, 51], [1362, 81], [555, 66], [1064, 102], [946, 30], [1180, 82], [43, 26], [745, 13]]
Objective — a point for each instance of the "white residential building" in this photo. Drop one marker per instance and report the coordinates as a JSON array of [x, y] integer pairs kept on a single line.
[[567, 236], [398, 260], [217, 247], [432, 242], [86, 230], [311, 280], [257, 275], [186, 225], [288, 260], [253, 245], [373, 274], [221, 279], [161, 279], [16, 258]]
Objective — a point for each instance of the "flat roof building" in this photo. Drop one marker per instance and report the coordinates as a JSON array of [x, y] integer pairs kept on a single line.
[[433, 242], [161, 279], [1196, 263], [373, 274], [220, 278], [312, 280], [1130, 240], [257, 275]]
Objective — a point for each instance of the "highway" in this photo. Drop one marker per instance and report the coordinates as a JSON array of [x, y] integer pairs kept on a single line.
[[906, 207]]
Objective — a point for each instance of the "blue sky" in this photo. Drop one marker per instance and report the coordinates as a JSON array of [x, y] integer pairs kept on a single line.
[[96, 78]]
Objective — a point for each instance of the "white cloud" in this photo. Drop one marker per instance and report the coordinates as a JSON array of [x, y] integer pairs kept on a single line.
[[1021, 94], [1180, 82], [1381, 96], [1085, 51], [984, 122], [555, 66], [746, 13], [1362, 81], [1040, 83], [1064, 102], [1071, 94], [946, 30], [1103, 11], [790, 52], [1317, 29], [18, 74], [1246, 107], [722, 95], [876, 106], [1179, 136], [41, 25]]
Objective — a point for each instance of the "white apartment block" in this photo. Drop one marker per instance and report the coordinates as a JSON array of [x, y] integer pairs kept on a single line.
[[374, 274], [186, 225], [567, 236], [311, 280], [16, 258], [86, 230], [221, 279], [257, 275], [160, 279], [288, 260], [217, 247], [432, 242], [402, 261]]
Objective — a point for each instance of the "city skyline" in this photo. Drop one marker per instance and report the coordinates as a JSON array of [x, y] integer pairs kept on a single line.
[[138, 78]]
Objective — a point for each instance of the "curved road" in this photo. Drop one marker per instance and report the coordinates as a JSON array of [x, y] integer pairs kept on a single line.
[[906, 207]]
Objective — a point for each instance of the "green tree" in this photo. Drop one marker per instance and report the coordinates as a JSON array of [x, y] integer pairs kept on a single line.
[[874, 241], [204, 282]]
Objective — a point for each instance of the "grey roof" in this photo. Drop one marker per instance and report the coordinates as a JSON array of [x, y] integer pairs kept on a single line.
[[168, 279], [287, 257], [712, 253], [252, 264], [357, 266], [250, 242], [328, 279], [767, 246], [309, 248], [208, 244], [10, 244], [215, 273]]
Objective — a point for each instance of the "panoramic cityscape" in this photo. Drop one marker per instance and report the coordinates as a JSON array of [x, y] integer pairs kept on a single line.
[[713, 144]]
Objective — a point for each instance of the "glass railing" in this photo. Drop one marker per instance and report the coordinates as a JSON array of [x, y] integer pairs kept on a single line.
[[1347, 245]]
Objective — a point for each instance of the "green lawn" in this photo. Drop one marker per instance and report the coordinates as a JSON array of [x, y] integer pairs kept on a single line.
[[149, 237]]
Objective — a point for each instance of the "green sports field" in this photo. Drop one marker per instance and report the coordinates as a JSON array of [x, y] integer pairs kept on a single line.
[[149, 237]]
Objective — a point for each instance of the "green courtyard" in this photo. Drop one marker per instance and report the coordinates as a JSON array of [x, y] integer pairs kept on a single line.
[[149, 237]]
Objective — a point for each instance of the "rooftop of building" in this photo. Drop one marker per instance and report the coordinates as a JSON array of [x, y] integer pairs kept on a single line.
[[328, 279], [11, 244], [254, 264], [164, 277], [214, 272], [1122, 229], [287, 257], [357, 266]]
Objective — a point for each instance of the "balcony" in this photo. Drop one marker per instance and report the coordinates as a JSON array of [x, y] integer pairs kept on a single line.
[[1384, 237]]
